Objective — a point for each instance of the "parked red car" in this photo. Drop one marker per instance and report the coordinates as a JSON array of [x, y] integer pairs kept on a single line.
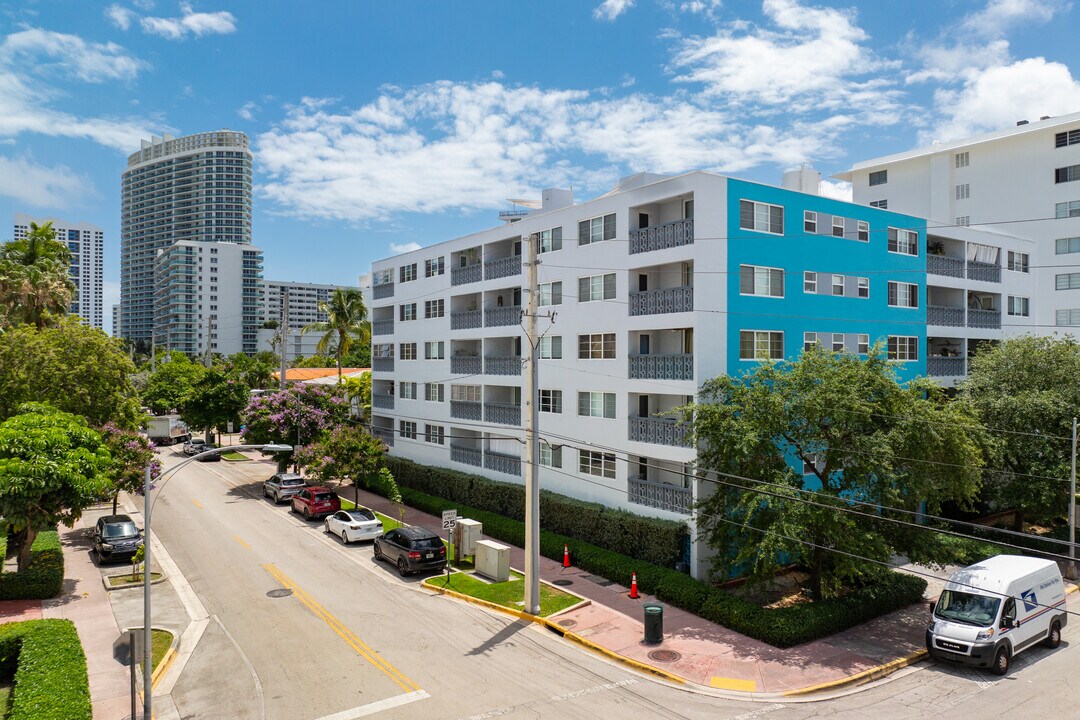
[[316, 502]]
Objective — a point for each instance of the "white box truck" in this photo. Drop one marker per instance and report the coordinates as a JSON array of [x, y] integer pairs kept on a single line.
[[167, 430], [990, 611]]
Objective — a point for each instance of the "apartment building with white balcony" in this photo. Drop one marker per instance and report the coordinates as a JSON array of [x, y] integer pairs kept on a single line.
[[86, 243], [303, 306]]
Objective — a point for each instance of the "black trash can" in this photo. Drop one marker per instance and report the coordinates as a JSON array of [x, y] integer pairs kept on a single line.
[[654, 623]]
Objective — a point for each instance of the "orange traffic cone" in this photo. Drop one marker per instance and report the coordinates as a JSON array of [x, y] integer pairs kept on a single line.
[[565, 556], [633, 586]]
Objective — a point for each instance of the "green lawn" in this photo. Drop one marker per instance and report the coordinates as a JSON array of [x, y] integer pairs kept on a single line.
[[5, 698], [233, 456], [160, 643], [509, 594]]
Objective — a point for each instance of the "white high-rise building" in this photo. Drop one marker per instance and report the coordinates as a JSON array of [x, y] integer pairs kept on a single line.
[[304, 299], [87, 245]]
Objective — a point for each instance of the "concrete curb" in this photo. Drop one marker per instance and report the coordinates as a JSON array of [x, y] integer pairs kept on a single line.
[[139, 584], [166, 661], [874, 673]]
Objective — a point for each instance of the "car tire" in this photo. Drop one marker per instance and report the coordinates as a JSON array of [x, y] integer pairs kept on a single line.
[[307, 514], [402, 567], [1002, 660], [344, 538], [378, 555], [326, 527], [1053, 638]]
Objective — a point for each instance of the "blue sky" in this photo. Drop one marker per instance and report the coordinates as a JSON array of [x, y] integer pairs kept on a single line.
[[380, 125]]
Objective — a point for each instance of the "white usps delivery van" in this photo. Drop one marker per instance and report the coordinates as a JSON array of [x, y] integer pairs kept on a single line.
[[994, 609]]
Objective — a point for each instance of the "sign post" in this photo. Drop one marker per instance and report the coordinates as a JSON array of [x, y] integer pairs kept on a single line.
[[449, 522]]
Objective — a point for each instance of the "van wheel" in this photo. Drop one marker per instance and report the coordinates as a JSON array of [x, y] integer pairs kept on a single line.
[[1001, 661], [1053, 638]]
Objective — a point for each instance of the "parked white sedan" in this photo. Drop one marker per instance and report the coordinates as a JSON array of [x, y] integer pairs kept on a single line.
[[353, 525]]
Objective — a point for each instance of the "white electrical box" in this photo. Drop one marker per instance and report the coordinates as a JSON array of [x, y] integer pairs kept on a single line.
[[471, 532], [493, 560]]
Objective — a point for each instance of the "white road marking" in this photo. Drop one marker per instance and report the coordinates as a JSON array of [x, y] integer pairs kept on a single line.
[[250, 667], [553, 699], [758, 713], [378, 706]]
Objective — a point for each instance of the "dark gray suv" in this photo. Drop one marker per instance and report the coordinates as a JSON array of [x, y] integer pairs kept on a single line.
[[283, 486], [115, 537], [412, 549]]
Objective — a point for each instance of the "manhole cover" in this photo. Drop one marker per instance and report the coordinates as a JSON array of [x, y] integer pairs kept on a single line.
[[279, 593], [664, 655], [562, 583], [567, 623]]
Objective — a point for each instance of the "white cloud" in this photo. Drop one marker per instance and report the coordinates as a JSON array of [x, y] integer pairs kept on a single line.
[[248, 110], [398, 249], [611, 9], [838, 190], [56, 187], [195, 23], [701, 7], [70, 55], [999, 15], [121, 17]]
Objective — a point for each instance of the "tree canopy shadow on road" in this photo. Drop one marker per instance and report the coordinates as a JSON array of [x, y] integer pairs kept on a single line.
[[500, 637]]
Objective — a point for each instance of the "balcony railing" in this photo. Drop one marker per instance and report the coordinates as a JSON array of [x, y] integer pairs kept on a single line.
[[466, 410], [466, 364], [499, 316], [383, 401], [382, 364], [660, 495], [502, 365], [467, 455], [382, 327], [662, 367], [945, 366], [660, 302], [503, 267], [466, 319], [658, 431], [987, 272], [502, 413], [661, 237], [984, 318], [385, 434], [502, 463], [468, 274], [944, 265], [949, 316], [385, 290]]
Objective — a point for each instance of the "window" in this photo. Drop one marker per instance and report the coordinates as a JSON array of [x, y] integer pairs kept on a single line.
[[466, 393], [837, 226], [1017, 261], [596, 229], [1067, 174], [903, 294], [902, 347], [879, 177], [963, 192], [903, 241], [434, 392], [382, 277], [838, 342], [755, 280], [551, 347], [883, 204], [407, 312], [434, 266], [810, 282], [1069, 137], [551, 240], [838, 285], [407, 273], [863, 287], [761, 345], [1018, 306], [961, 159], [434, 308], [1067, 281], [408, 351], [809, 340], [864, 344], [550, 456], [435, 434], [408, 429], [383, 350], [811, 464], [963, 220], [596, 287], [596, 404], [597, 346], [809, 222], [761, 217], [434, 350], [551, 293], [1067, 209], [1067, 317], [688, 209], [407, 390], [551, 401], [596, 463]]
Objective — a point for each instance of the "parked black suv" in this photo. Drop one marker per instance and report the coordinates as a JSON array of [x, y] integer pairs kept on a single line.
[[115, 537], [413, 549]]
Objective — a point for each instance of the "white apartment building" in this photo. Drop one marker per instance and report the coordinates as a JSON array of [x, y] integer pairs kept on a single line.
[[304, 299], [87, 245]]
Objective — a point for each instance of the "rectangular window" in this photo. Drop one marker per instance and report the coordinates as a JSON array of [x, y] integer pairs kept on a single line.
[[809, 340], [383, 350], [1067, 281], [596, 287], [903, 294], [755, 280], [596, 463], [1067, 317], [550, 456], [551, 293], [1018, 306], [963, 220], [962, 159], [1065, 246], [963, 191], [902, 347], [904, 242], [434, 308], [837, 226], [467, 393], [551, 240], [1067, 209], [810, 282], [407, 390], [882, 204], [596, 404], [863, 287], [597, 346], [863, 232], [407, 272], [761, 217], [408, 351], [596, 229], [551, 401], [1070, 173], [434, 350], [407, 312], [434, 266], [810, 465], [435, 434], [1017, 261], [408, 429], [434, 392], [1069, 137], [864, 344], [761, 345], [880, 177], [551, 347], [838, 342], [838, 285], [809, 221]]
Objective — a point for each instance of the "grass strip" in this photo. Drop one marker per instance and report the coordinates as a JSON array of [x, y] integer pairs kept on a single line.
[[509, 594]]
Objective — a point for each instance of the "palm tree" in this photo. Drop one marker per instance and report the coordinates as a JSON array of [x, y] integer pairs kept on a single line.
[[346, 320], [34, 280]]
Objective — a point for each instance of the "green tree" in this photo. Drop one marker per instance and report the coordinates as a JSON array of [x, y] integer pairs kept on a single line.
[[1027, 386], [345, 453], [74, 367], [52, 466], [169, 385], [131, 454], [256, 371], [297, 416], [358, 393], [345, 322], [215, 400], [859, 434], [35, 286]]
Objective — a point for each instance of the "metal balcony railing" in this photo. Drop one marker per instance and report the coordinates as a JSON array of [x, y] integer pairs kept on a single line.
[[385, 434], [468, 274], [500, 316], [503, 267], [502, 365], [662, 367], [466, 364], [941, 315], [385, 290], [502, 413], [661, 237], [383, 401], [983, 318], [945, 366], [658, 431], [944, 265], [382, 327], [467, 455], [502, 463], [660, 495], [661, 302], [466, 319], [382, 364], [986, 272], [466, 410]]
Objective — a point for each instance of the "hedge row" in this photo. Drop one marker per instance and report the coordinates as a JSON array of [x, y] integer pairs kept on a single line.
[[43, 578], [781, 627], [47, 663], [653, 540]]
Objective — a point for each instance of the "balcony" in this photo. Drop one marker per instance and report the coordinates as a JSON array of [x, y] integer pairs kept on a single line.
[[503, 267], [385, 290], [661, 302], [468, 274], [466, 319], [467, 455], [382, 327], [986, 272], [658, 431], [382, 364], [941, 315], [945, 366], [502, 413], [984, 318], [502, 365], [502, 463], [384, 434], [660, 495], [466, 410], [500, 316], [944, 265], [466, 364], [383, 402], [662, 237], [662, 367]]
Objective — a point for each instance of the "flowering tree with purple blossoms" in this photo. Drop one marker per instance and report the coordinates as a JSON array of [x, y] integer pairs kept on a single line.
[[347, 453], [131, 454], [297, 416]]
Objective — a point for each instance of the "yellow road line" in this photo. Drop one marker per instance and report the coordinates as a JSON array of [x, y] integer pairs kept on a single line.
[[240, 540], [343, 632], [197, 503]]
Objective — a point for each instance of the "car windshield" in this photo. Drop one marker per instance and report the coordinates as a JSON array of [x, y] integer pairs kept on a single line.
[[967, 608], [427, 543], [120, 530], [363, 515], [324, 496]]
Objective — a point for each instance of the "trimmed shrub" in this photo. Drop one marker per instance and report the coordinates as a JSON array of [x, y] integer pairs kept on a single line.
[[653, 540], [43, 577], [47, 662]]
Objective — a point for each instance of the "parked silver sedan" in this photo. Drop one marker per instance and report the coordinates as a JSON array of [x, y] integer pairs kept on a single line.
[[353, 525]]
